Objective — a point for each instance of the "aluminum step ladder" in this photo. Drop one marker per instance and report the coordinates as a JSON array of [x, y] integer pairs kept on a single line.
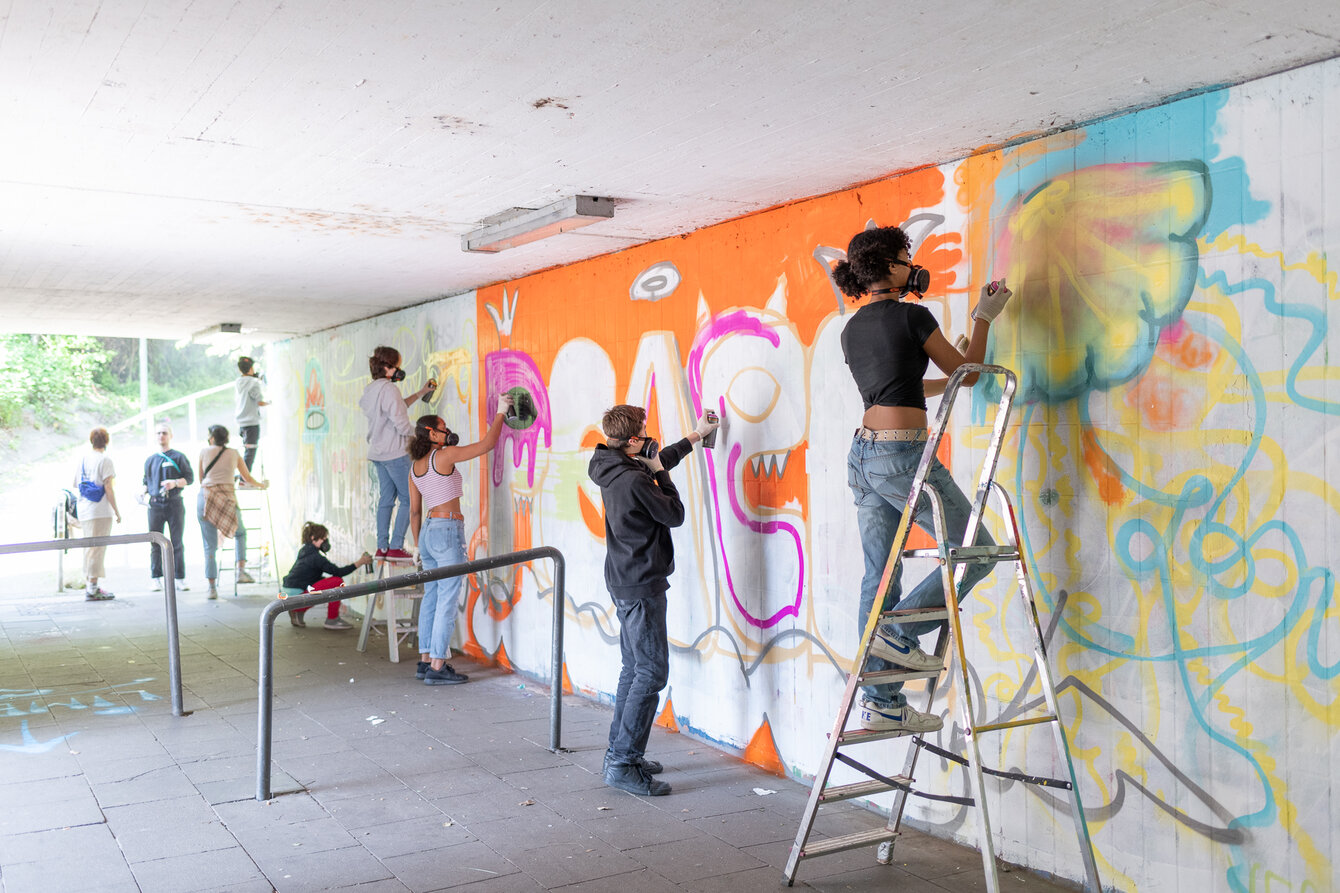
[[952, 562]]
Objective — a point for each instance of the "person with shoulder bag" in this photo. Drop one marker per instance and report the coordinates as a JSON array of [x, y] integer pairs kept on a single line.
[[96, 509]]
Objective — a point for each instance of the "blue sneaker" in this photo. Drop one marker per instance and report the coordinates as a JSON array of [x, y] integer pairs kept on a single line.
[[898, 719], [895, 652]]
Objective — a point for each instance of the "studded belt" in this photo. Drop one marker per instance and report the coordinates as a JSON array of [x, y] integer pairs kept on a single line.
[[909, 435]]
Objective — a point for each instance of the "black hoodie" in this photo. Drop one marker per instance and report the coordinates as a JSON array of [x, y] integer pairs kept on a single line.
[[640, 509]]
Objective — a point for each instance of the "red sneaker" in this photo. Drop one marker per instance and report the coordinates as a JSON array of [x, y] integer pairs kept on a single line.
[[398, 555], [381, 553]]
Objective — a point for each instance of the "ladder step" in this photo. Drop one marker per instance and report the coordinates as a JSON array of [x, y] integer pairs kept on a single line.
[[863, 736], [859, 789], [921, 553], [874, 678], [902, 615], [982, 554], [846, 842]]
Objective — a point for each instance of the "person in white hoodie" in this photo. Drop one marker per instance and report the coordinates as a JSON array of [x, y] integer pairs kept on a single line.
[[389, 430]]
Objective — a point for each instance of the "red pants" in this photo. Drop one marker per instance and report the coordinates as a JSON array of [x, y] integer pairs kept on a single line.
[[333, 608]]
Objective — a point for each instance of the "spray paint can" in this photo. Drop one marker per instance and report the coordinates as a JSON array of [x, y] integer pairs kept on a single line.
[[711, 439], [993, 286]]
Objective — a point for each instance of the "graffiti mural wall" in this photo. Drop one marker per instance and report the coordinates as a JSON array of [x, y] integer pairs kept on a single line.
[[1169, 460]]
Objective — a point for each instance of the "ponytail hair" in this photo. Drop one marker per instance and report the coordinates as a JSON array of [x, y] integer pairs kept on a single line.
[[312, 531], [869, 255], [421, 444]]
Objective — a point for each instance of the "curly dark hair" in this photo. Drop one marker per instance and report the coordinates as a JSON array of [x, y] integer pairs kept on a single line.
[[421, 444], [869, 255]]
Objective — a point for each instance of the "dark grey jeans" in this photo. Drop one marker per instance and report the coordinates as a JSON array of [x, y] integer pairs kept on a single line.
[[645, 645], [171, 514]]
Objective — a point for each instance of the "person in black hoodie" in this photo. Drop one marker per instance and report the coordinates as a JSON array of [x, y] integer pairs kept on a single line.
[[310, 570], [641, 506]]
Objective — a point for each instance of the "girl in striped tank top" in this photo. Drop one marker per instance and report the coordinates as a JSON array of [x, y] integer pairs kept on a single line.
[[435, 485]]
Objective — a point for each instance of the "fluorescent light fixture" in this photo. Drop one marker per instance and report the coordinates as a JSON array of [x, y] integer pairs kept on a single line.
[[522, 225], [213, 332]]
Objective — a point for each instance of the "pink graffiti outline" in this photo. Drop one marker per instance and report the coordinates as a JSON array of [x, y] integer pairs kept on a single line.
[[742, 323]]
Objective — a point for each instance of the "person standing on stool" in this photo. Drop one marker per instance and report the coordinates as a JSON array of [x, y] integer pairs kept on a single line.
[[217, 506], [313, 571], [166, 473], [248, 406], [888, 344], [435, 491], [96, 509], [641, 505], [389, 432]]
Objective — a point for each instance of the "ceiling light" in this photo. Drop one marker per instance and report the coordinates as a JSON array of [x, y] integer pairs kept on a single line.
[[522, 225], [221, 331]]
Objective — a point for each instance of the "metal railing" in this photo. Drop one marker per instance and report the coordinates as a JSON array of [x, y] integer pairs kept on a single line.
[[169, 588], [265, 678]]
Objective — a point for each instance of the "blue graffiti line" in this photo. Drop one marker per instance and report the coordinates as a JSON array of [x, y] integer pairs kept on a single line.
[[40, 701], [1313, 316], [31, 744]]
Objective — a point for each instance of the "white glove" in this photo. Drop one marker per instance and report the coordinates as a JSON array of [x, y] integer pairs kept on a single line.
[[653, 464], [705, 427], [505, 402], [989, 305]]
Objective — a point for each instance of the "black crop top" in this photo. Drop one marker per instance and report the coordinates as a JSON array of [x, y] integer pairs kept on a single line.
[[884, 344]]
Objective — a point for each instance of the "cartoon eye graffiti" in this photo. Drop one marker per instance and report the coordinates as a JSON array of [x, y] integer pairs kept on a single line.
[[522, 414], [655, 282]]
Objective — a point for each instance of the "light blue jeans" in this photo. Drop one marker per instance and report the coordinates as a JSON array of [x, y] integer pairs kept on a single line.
[[209, 534], [880, 477], [441, 543], [393, 476]]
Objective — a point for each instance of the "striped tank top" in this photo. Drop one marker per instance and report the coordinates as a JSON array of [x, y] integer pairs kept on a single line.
[[435, 487]]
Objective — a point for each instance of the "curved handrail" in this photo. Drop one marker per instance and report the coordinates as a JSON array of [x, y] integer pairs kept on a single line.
[[265, 678], [169, 588]]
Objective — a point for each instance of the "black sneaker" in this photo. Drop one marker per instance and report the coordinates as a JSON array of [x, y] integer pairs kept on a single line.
[[97, 595], [632, 778], [444, 676], [422, 669], [652, 766]]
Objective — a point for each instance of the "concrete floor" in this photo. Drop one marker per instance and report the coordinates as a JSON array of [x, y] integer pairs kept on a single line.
[[380, 783]]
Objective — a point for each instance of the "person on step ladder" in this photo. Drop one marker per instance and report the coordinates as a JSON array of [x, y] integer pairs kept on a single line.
[[888, 345]]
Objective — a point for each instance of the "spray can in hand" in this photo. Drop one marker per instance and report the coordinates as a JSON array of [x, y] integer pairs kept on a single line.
[[711, 439]]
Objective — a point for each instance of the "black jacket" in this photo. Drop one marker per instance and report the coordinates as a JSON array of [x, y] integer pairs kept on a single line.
[[166, 466], [640, 509], [310, 566]]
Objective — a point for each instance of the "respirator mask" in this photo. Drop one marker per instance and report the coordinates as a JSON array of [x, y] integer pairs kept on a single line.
[[451, 439], [325, 547], [649, 448], [398, 374], [918, 280]]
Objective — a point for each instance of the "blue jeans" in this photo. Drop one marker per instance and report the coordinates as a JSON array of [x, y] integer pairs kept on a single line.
[[880, 477], [645, 647], [210, 535], [393, 476], [441, 543]]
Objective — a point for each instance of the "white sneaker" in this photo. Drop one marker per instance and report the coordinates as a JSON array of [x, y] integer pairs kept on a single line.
[[182, 587], [895, 652], [157, 584], [898, 719]]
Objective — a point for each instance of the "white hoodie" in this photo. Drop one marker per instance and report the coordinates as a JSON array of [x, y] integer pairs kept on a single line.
[[389, 427]]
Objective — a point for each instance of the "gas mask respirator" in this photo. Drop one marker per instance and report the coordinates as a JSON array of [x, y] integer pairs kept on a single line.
[[649, 448], [918, 281], [398, 375], [325, 547]]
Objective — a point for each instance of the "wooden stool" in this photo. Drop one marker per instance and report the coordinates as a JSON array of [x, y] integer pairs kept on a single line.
[[389, 600]]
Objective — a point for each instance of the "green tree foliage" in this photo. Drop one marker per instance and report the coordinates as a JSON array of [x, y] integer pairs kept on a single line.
[[42, 374]]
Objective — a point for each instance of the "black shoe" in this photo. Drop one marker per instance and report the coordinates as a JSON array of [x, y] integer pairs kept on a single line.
[[632, 778], [422, 669], [652, 766], [444, 676]]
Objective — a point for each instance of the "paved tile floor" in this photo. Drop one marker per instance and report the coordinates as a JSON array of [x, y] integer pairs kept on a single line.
[[380, 783]]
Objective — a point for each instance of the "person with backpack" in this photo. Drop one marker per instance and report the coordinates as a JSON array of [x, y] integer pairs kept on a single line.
[[96, 509]]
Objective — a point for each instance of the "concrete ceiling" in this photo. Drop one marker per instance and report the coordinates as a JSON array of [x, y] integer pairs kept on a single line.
[[168, 165]]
